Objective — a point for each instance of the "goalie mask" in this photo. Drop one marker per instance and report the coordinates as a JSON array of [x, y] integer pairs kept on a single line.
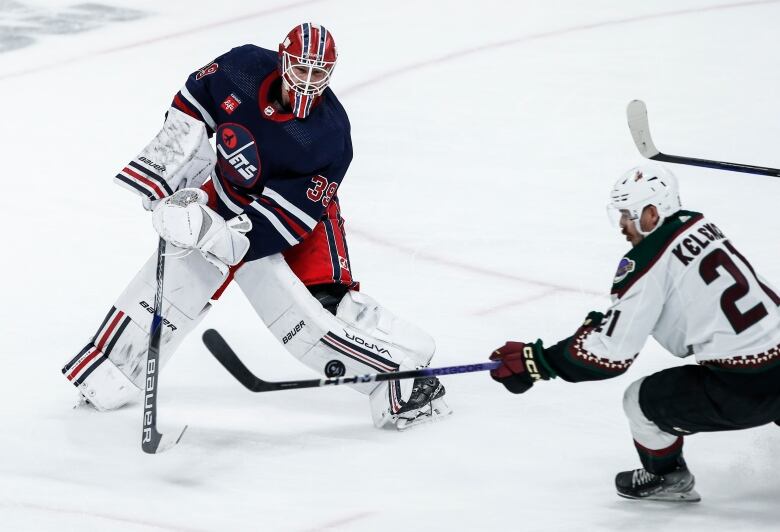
[[642, 186], [307, 57]]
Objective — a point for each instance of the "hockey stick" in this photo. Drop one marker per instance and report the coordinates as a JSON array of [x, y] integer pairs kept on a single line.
[[152, 441], [228, 358], [640, 130]]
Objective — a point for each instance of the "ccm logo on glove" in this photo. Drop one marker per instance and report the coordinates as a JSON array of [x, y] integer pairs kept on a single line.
[[522, 365]]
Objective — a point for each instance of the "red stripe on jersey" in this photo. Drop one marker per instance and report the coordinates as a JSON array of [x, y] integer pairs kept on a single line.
[[208, 187], [299, 231], [243, 200], [338, 233], [338, 271], [148, 182], [111, 327], [179, 104]]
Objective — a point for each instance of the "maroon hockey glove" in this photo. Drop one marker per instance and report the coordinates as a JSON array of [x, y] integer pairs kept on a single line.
[[523, 364]]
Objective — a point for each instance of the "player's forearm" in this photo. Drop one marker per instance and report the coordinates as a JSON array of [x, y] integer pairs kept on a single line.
[[590, 354]]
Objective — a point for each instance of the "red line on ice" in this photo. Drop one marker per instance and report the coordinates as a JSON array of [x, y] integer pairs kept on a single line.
[[417, 253], [174, 35], [544, 35]]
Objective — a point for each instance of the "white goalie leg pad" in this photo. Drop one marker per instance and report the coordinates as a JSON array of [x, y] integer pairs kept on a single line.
[[362, 338], [109, 370], [645, 432]]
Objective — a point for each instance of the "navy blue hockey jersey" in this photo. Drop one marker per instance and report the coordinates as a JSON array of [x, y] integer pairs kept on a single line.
[[281, 171]]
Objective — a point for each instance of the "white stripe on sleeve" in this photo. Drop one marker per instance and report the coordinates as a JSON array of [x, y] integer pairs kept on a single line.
[[276, 223], [224, 197], [307, 220], [206, 116]]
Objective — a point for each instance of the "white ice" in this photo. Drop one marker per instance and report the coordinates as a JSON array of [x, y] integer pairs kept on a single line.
[[487, 136]]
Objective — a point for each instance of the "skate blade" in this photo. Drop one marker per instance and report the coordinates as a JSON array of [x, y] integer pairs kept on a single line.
[[439, 413], [686, 496]]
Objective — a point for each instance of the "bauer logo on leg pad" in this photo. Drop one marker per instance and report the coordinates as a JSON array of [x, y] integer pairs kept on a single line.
[[335, 368], [289, 336], [150, 309]]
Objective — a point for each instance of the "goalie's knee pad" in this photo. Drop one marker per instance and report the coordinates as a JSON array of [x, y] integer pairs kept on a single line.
[[109, 371], [362, 337]]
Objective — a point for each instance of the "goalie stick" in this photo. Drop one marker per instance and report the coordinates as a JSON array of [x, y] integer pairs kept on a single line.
[[640, 131], [228, 358], [152, 441]]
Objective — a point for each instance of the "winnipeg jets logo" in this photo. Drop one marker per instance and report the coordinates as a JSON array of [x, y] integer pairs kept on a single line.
[[238, 157], [229, 138]]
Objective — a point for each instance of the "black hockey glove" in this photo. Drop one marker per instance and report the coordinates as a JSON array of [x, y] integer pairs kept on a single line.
[[523, 365]]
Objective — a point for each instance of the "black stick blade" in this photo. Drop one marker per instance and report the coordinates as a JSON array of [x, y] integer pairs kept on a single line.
[[230, 361]]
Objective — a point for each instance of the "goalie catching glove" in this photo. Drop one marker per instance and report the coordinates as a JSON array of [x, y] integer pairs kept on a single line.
[[522, 365], [185, 220]]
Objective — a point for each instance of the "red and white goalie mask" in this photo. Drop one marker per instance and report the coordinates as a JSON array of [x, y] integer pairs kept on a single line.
[[307, 57]]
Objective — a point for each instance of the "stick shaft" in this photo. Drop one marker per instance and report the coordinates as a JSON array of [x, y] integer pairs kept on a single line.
[[151, 437], [717, 165]]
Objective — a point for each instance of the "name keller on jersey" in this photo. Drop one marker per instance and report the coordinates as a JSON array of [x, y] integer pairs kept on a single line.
[[694, 245]]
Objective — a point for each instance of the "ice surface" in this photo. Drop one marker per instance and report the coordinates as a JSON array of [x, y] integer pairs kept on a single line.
[[487, 135]]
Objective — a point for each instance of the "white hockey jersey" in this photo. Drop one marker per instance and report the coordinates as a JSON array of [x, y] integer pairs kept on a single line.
[[690, 288]]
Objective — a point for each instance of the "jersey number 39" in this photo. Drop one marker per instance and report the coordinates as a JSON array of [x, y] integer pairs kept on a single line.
[[322, 190]]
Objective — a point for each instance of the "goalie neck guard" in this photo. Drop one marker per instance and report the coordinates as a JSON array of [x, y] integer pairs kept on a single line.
[[307, 57]]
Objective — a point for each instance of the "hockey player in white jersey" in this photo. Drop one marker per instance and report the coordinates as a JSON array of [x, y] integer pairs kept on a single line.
[[685, 283]]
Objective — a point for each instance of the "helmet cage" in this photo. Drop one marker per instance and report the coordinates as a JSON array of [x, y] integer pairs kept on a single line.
[[306, 77]]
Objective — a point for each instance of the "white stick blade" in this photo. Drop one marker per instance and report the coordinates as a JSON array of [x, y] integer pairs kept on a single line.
[[170, 439], [640, 128]]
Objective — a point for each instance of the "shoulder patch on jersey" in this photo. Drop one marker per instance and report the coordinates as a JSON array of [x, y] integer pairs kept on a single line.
[[642, 257], [237, 155], [207, 70], [625, 267]]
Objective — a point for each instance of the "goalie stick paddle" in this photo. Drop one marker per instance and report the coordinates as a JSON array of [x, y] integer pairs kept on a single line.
[[152, 441], [228, 358], [639, 126]]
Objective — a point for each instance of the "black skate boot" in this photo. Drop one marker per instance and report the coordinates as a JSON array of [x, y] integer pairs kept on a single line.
[[424, 404], [676, 486]]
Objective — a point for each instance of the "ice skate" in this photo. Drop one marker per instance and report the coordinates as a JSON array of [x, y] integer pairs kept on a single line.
[[425, 404], [676, 486]]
